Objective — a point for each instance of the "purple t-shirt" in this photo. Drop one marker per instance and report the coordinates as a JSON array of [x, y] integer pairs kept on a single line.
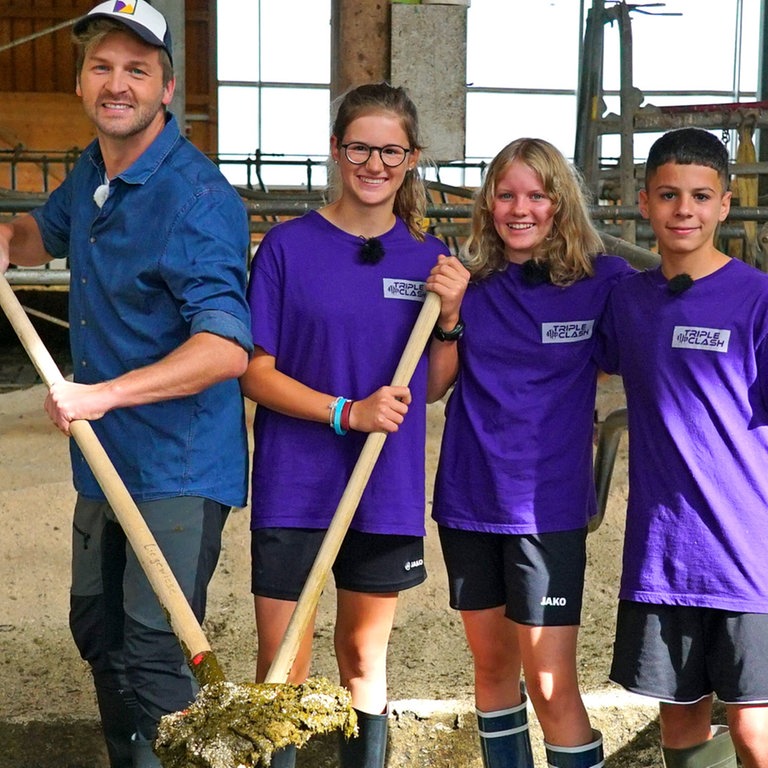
[[339, 326], [695, 371], [517, 447]]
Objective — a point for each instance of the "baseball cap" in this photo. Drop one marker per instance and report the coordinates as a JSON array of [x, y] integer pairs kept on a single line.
[[138, 15]]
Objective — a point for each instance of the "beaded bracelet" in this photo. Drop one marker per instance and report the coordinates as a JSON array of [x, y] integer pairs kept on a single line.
[[331, 410]]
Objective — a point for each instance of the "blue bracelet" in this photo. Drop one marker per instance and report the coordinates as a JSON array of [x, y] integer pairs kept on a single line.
[[338, 407]]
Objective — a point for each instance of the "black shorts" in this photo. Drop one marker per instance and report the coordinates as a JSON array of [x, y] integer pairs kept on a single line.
[[281, 559], [682, 654], [539, 578]]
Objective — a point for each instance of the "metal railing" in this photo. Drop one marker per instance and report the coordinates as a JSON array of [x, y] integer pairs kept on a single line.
[[37, 171], [448, 219], [19, 166]]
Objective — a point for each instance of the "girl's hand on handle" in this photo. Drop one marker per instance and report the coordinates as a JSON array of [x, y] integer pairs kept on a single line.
[[448, 279], [383, 411]]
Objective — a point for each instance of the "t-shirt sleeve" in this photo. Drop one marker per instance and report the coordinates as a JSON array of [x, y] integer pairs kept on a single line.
[[761, 354], [265, 295], [619, 269], [606, 352]]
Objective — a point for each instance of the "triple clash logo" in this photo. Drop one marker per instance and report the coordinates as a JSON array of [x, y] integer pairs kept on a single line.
[[695, 337], [411, 290], [567, 332]]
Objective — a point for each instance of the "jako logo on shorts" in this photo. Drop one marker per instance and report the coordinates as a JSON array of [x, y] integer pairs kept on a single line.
[[556, 601], [413, 564], [566, 333]]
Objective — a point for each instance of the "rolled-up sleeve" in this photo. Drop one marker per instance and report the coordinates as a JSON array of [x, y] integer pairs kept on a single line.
[[205, 265], [223, 324]]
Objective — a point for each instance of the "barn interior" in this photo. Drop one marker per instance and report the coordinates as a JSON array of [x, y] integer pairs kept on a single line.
[[423, 46]]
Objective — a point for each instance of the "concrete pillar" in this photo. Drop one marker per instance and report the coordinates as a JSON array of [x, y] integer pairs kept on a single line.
[[374, 40], [359, 43], [429, 58], [173, 10]]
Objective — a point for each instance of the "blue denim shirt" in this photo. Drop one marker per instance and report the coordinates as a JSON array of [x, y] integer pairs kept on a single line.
[[163, 259]]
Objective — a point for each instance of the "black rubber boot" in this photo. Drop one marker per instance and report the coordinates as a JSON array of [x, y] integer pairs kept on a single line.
[[586, 756], [117, 708], [284, 758], [369, 748], [143, 754], [504, 738], [717, 752]]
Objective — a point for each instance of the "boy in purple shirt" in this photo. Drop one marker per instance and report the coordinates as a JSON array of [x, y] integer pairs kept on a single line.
[[689, 338]]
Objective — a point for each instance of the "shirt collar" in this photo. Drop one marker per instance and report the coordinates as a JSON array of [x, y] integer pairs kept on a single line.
[[152, 157]]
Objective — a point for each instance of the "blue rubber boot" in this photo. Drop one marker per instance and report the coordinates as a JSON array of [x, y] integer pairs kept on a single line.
[[586, 756], [717, 752], [505, 741], [369, 748], [284, 758]]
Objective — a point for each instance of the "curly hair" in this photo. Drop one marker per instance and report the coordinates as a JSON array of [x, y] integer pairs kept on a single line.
[[567, 253], [382, 98]]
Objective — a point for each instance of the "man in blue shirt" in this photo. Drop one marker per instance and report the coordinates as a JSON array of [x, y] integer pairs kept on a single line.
[[159, 328]]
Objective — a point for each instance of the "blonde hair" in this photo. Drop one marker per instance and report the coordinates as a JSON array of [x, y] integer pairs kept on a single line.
[[98, 29], [568, 250], [382, 98]]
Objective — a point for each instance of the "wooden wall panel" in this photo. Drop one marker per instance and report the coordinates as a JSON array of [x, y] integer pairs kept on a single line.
[[46, 64], [56, 120], [38, 108], [202, 99], [44, 122]]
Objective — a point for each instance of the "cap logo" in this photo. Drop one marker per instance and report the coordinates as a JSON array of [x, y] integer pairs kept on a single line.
[[140, 18]]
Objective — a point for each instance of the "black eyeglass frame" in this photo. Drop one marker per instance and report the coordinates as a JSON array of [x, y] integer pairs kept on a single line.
[[370, 149]]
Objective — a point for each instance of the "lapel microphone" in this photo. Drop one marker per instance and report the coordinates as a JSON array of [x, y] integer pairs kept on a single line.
[[679, 284], [371, 251], [535, 272]]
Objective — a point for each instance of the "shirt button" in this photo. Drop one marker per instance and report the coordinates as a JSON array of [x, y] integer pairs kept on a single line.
[[91, 239], [83, 364], [83, 322]]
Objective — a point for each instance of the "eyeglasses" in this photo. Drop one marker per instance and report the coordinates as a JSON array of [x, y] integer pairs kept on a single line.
[[391, 155]]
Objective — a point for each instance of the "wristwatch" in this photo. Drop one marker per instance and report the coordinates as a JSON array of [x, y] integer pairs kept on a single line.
[[453, 335]]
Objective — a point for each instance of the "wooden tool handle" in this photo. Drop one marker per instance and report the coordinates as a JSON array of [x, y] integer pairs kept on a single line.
[[342, 517], [181, 617]]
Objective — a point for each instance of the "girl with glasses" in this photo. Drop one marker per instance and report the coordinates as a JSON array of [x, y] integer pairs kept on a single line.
[[334, 295]]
